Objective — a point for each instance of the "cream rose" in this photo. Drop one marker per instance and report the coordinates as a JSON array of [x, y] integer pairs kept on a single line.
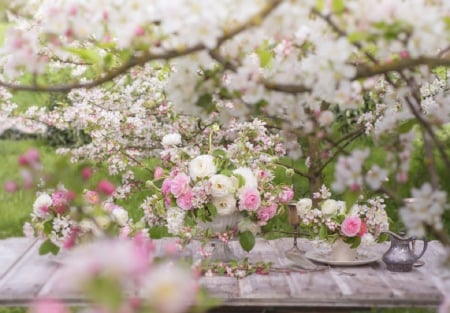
[[329, 207], [225, 205], [202, 166], [303, 206], [221, 185]]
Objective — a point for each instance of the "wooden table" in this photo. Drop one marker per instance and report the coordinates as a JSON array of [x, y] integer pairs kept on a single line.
[[24, 275]]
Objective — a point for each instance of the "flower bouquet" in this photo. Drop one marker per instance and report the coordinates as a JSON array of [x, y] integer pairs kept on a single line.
[[345, 228], [221, 187]]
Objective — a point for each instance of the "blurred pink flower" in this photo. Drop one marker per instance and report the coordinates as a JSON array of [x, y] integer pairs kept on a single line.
[[30, 158], [249, 199], [60, 201], [106, 187], [351, 226], [158, 173], [48, 306], [86, 173], [92, 197], [11, 186]]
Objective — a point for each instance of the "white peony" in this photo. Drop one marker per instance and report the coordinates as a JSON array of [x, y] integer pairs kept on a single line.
[[225, 205], [221, 185], [249, 177], [120, 216], [202, 166], [341, 207], [329, 207], [173, 139], [42, 204], [303, 206]]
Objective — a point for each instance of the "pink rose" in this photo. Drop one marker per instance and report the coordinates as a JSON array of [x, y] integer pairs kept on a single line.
[[184, 201], [249, 199], [179, 184], [266, 213], [286, 195], [60, 200], [351, 226], [165, 188]]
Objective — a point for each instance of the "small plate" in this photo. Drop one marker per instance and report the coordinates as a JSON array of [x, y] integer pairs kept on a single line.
[[363, 257]]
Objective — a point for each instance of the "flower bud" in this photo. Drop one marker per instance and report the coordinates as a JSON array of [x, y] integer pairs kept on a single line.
[[290, 172]]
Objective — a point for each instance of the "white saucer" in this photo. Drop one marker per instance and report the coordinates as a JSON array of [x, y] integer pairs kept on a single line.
[[363, 257]]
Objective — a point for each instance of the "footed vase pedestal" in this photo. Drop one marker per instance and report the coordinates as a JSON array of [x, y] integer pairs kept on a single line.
[[341, 251]]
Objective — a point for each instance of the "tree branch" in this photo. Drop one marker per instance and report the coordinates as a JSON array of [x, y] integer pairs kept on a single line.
[[148, 56]]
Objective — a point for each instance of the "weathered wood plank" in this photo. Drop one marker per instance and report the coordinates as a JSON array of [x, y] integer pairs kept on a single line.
[[11, 251], [273, 286], [25, 279], [221, 286]]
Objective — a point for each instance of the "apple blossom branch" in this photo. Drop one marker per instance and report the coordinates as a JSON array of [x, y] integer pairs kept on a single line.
[[148, 56]]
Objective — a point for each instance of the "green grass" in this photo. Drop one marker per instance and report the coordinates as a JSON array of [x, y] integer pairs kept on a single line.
[[16, 207]]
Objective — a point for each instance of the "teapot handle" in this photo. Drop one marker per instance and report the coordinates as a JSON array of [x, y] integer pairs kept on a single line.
[[425, 244]]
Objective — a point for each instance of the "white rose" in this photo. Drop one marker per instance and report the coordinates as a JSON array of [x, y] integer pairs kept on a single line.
[[249, 177], [173, 139], [303, 206], [329, 207], [221, 185], [42, 204], [120, 216], [202, 166], [225, 205]]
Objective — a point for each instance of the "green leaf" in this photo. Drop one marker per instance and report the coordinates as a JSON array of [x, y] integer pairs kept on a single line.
[[87, 55], [48, 227], [241, 180], [382, 238], [48, 247], [350, 198], [206, 102], [212, 209], [407, 126], [338, 6], [265, 56], [247, 240], [106, 291], [219, 153], [323, 233], [158, 232], [355, 242]]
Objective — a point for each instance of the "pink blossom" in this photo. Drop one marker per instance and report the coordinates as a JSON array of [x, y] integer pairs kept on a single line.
[[60, 201], [351, 226], [139, 31], [11, 186], [142, 253], [71, 239], [249, 199], [92, 197], [179, 184], [165, 188], [48, 306], [158, 173], [30, 158], [106, 187], [363, 229], [184, 201], [266, 213], [86, 173], [286, 195]]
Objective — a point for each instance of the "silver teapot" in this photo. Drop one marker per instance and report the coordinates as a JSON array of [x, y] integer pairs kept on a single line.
[[400, 257]]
